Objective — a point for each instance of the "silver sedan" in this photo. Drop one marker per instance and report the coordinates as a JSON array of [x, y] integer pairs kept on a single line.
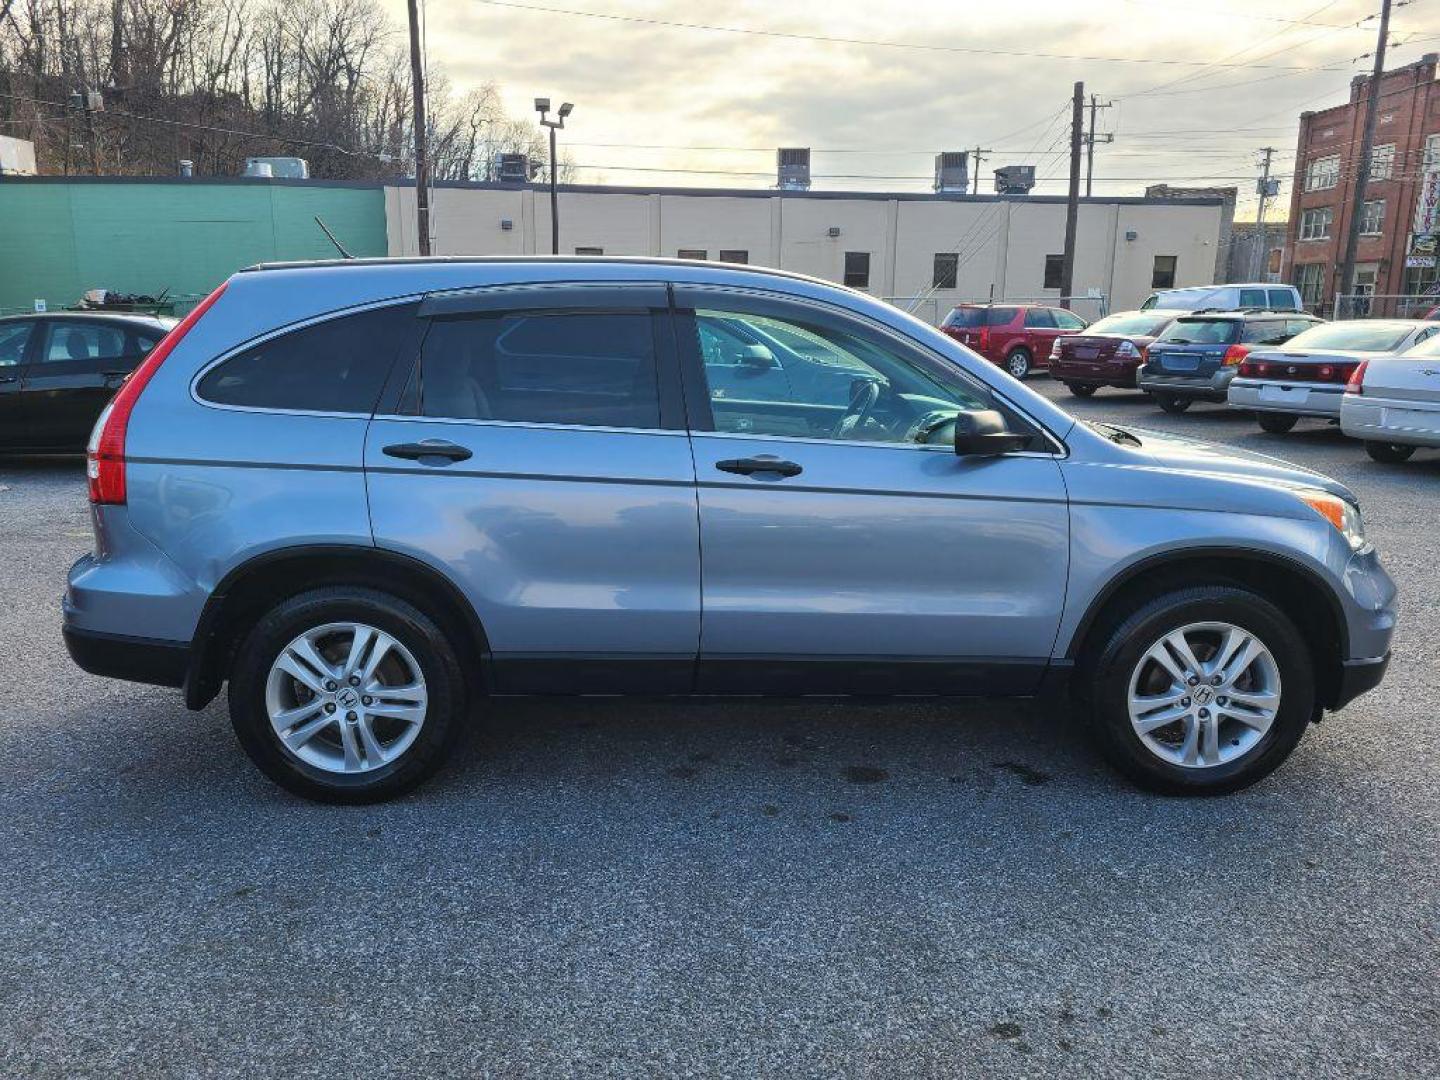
[[1393, 403]]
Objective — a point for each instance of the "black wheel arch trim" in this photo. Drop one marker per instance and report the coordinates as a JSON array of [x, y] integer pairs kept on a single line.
[[1225, 552], [204, 671]]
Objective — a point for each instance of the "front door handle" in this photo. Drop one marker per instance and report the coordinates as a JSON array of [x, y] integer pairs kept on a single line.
[[415, 451], [9, 378], [764, 463]]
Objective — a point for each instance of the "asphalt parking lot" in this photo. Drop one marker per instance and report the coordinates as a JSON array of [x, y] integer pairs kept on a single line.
[[725, 888]]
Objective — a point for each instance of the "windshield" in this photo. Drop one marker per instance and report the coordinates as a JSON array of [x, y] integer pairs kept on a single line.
[[1353, 336], [1141, 325], [979, 316], [1201, 332]]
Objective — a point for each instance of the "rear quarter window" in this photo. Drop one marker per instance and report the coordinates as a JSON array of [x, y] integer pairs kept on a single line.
[[339, 365]]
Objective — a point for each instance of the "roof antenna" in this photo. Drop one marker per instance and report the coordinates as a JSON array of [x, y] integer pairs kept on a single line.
[[338, 246]]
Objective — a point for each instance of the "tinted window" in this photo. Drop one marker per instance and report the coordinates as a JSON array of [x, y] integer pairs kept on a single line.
[[74, 341], [595, 369], [12, 342], [338, 365], [1252, 298], [1202, 332], [1266, 333], [1039, 319], [1281, 300]]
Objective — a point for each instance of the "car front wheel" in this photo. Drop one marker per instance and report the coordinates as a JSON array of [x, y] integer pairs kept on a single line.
[[1389, 453], [1204, 690], [347, 695]]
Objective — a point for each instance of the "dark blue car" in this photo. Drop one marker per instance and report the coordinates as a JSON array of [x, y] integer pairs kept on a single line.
[[1197, 355]]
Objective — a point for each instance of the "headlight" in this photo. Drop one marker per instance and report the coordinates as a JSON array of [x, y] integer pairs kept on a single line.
[[1344, 515]]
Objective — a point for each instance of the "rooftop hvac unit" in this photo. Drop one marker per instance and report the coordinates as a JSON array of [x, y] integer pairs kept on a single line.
[[792, 166], [1014, 179], [513, 168], [291, 168], [952, 172]]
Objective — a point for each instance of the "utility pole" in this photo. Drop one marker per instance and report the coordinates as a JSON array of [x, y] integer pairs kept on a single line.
[[1263, 187], [1362, 168], [422, 162], [1090, 138], [980, 153], [1072, 206]]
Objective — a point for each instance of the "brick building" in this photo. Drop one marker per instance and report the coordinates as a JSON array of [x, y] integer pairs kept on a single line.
[[1396, 254]]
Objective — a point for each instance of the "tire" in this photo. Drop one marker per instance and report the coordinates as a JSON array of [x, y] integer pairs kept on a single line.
[[1018, 362], [1241, 754], [335, 762], [1276, 423], [1172, 404], [1389, 453], [1082, 389]]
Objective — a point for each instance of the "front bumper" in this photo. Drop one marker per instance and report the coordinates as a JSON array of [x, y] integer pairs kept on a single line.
[[1357, 677], [1196, 387], [1293, 399]]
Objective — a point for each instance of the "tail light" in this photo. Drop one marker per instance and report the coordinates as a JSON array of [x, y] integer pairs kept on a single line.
[[1126, 350], [1254, 369], [105, 453], [1145, 355], [984, 338], [1356, 383], [1055, 349], [1235, 354]]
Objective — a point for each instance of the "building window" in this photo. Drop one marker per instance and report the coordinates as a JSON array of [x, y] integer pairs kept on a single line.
[[1162, 274], [589, 251], [947, 266], [1315, 224], [1054, 271], [1310, 280], [1382, 162], [857, 269], [692, 253], [1372, 217], [734, 255], [1323, 173]]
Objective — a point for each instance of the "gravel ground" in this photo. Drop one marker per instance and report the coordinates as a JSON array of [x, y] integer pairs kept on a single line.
[[723, 888]]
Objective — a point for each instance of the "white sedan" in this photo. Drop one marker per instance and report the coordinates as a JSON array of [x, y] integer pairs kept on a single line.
[[1393, 403]]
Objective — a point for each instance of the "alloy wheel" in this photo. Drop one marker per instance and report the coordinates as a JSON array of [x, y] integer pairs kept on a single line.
[[346, 698], [1204, 695]]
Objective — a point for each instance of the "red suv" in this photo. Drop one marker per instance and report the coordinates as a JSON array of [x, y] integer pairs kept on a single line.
[[1018, 337]]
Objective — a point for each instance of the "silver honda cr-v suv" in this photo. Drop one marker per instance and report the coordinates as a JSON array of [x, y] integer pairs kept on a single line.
[[369, 495]]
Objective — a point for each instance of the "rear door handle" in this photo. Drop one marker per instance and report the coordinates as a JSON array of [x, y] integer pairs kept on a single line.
[[433, 448], [764, 463]]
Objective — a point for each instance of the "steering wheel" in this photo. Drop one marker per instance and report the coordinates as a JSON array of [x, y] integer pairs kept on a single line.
[[863, 395]]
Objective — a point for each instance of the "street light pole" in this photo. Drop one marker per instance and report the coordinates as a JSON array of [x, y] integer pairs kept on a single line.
[[542, 106]]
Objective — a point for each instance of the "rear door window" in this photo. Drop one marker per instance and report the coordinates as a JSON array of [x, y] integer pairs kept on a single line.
[[1000, 316], [336, 366], [1282, 300], [584, 368], [75, 341]]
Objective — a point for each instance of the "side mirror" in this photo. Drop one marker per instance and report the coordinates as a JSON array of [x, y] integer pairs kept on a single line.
[[983, 431], [757, 356]]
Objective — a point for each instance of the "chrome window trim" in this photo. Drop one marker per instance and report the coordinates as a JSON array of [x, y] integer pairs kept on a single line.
[[530, 424]]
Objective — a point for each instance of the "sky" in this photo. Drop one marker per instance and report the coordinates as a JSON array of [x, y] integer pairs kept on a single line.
[[1197, 86]]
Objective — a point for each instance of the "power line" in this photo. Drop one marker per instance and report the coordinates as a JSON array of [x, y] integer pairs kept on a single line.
[[871, 42]]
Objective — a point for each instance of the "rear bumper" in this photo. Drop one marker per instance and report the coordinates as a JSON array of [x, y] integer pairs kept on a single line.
[[119, 656], [1390, 421], [1358, 677], [1196, 387], [1317, 400], [1093, 374]]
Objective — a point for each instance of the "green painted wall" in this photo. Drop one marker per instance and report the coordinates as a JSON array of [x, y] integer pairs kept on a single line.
[[58, 239]]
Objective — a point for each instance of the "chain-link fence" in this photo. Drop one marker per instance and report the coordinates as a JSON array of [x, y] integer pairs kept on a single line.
[[1370, 306], [932, 309]]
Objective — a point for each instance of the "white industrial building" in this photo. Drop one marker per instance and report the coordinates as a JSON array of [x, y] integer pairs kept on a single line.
[[942, 247]]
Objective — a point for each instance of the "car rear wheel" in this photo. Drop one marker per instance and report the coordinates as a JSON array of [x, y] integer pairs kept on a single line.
[[1276, 423], [1389, 453], [347, 695], [1018, 362], [1204, 690], [1082, 389], [1172, 404]]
